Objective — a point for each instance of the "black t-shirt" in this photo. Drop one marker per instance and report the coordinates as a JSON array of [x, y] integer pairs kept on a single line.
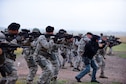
[[91, 49]]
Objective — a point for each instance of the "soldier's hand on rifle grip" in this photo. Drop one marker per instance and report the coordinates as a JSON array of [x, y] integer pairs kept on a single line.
[[52, 37], [1, 51], [100, 45]]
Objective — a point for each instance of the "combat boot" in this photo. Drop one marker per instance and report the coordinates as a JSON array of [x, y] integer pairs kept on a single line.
[[76, 69], [29, 82], [95, 81], [71, 64], [78, 80], [102, 76], [54, 80]]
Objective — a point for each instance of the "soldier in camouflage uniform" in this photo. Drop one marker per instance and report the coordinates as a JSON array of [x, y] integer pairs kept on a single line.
[[65, 47], [43, 54], [11, 36], [100, 57], [28, 55], [2, 60], [112, 41], [76, 57], [54, 53], [63, 53], [69, 51], [55, 63], [62, 48], [66, 51]]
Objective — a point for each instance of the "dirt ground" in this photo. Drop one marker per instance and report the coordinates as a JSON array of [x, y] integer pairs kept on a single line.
[[115, 71]]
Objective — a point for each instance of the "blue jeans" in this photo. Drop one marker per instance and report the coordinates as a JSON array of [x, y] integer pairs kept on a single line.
[[87, 70]]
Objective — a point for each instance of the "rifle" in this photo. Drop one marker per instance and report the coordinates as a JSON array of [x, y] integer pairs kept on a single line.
[[9, 48], [113, 41], [8, 51]]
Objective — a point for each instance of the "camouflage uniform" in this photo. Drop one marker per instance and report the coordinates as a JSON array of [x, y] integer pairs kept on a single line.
[[100, 59], [41, 54], [63, 52], [11, 37], [31, 42], [66, 53], [76, 57], [11, 77], [31, 63], [55, 63], [80, 51], [101, 62], [69, 54]]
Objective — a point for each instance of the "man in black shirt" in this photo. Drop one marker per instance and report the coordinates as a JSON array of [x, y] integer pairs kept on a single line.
[[90, 50]]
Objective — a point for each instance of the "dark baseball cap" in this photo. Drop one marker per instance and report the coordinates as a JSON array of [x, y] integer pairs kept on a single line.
[[89, 33], [62, 31], [49, 29], [14, 26]]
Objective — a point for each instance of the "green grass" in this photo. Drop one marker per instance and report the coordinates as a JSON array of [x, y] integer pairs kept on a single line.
[[116, 83], [87, 83], [121, 50], [121, 47], [61, 82], [122, 55]]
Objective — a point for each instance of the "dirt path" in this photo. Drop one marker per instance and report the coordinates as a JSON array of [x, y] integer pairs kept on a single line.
[[115, 71]]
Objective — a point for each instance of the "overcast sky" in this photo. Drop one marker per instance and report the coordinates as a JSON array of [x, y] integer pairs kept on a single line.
[[89, 15]]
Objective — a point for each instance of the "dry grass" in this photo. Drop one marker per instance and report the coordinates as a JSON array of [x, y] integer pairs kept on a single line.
[[123, 39]]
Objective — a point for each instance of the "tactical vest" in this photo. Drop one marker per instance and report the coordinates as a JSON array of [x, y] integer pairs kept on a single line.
[[2, 59]]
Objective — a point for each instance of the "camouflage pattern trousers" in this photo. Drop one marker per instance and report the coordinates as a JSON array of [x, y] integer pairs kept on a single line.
[[12, 77], [101, 63], [56, 65], [32, 65], [47, 70]]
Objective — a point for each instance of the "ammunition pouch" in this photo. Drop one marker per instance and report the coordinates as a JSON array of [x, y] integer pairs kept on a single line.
[[44, 49], [31, 62], [42, 63], [11, 56], [2, 59], [48, 55]]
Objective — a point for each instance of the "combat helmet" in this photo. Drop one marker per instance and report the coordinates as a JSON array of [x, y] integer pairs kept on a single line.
[[36, 30], [62, 31]]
